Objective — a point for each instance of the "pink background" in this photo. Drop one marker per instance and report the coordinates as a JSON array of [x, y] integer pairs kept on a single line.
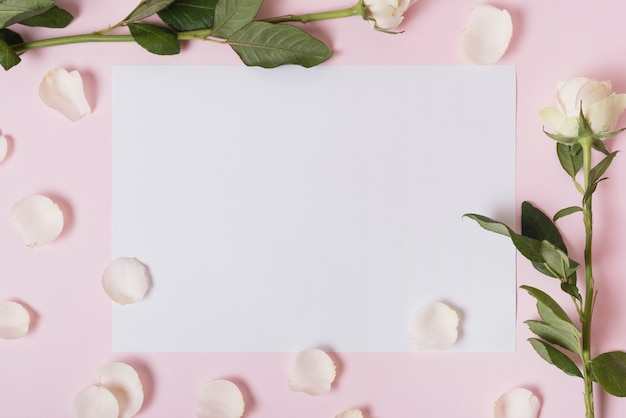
[[60, 283]]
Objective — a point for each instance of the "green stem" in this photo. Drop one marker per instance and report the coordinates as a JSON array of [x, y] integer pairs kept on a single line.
[[356, 10], [589, 282], [74, 39], [98, 37], [104, 36]]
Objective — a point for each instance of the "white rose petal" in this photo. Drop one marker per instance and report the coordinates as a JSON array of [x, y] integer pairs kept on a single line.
[[95, 402], [311, 371], [38, 218], [517, 403], [123, 382], [386, 14], [4, 147], [435, 327], [126, 280], [219, 399], [487, 35], [351, 413], [63, 91], [601, 107], [14, 320], [604, 114]]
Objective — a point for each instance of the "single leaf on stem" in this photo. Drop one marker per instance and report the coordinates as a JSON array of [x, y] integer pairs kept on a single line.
[[537, 225], [555, 357], [155, 39], [570, 157], [490, 224], [609, 370], [232, 15], [54, 17], [528, 247], [188, 15], [8, 57], [557, 261], [566, 211], [554, 335], [595, 174], [146, 8], [269, 45], [545, 300], [15, 11]]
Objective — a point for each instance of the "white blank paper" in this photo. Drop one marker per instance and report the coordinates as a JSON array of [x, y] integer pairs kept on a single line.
[[290, 208]]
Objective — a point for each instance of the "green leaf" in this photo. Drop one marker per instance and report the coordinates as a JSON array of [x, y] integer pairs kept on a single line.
[[528, 247], [537, 225], [155, 39], [557, 260], [54, 17], [555, 357], [8, 57], [566, 211], [186, 15], [489, 224], [555, 335], [595, 174], [270, 45], [146, 8], [591, 190], [571, 288], [609, 369], [570, 157], [15, 11], [10, 37], [545, 301], [233, 15]]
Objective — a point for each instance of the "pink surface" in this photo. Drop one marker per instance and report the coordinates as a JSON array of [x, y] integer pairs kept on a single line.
[[60, 283]]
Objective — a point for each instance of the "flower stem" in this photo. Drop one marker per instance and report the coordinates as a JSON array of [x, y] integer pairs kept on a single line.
[[355, 10], [589, 281], [105, 36], [73, 39]]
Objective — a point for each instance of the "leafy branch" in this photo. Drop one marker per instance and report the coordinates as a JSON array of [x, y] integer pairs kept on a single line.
[[267, 43], [559, 339]]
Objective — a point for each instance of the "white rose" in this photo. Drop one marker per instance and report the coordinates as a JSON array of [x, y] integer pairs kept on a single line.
[[601, 107], [386, 14]]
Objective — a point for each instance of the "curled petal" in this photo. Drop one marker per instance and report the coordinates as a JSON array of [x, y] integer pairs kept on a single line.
[[351, 413], [434, 327], [63, 91], [126, 280], [487, 35], [38, 218], [95, 402], [311, 371], [604, 114], [4, 147], [553, 117], [220, 399], [517, 403], [557, 122], [123, 382], [14, 320]]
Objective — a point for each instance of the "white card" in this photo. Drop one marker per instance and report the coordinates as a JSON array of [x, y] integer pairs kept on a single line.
[[289, 208]]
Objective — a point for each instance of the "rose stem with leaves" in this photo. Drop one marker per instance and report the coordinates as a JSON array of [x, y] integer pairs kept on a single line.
[[218, 21], [587, 312], [541, 243]]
